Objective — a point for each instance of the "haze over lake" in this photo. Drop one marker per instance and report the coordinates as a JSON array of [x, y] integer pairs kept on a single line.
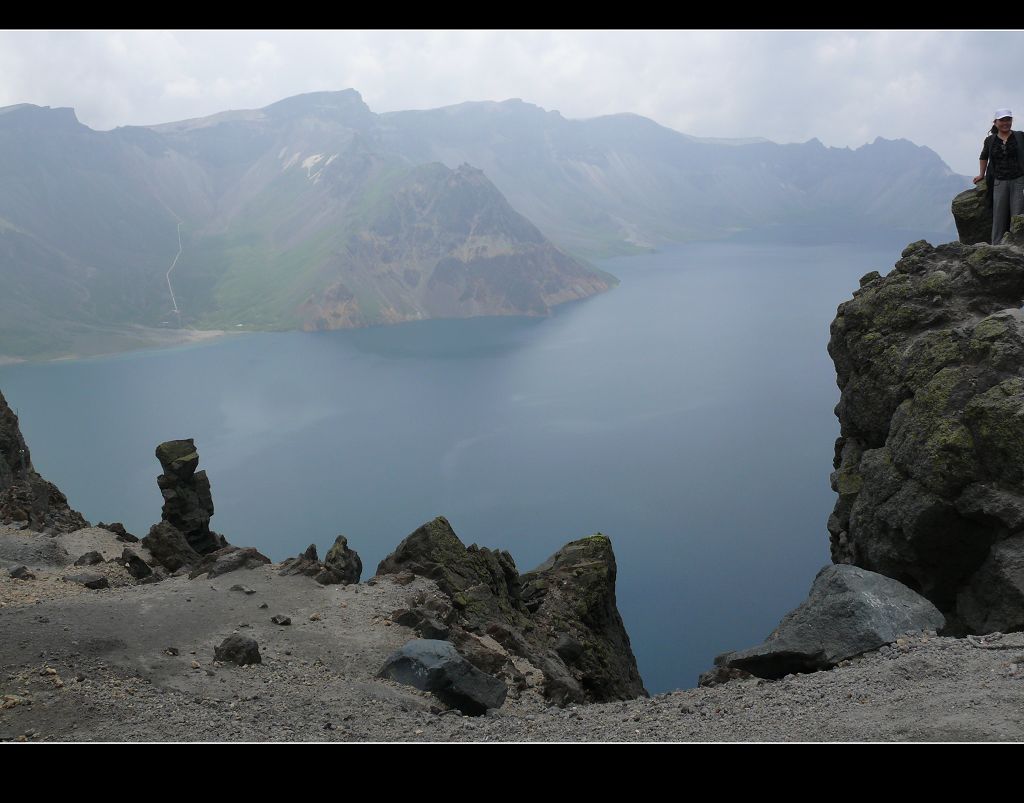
[[687, 414]]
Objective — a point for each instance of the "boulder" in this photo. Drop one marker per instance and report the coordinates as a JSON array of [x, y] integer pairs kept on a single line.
[[344, 562], [89, 580], [188, 502], [972, 215], [237, 649], [280, 619], [929, 466], [21, 572], [437, 667], [229, 559], [560, 618], [89, 559], [169, 547], [849, 611], [136, 566]]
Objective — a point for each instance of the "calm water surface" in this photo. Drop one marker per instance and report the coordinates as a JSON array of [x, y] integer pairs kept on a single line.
[[687, 414]]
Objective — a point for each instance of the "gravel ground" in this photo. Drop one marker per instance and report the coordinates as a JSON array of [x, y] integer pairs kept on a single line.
[[135, 663]]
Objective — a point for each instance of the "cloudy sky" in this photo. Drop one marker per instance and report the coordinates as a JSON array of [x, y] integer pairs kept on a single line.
[[846, 88]]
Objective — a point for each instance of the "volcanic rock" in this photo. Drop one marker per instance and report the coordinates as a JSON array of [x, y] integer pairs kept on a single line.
[[930, 461], [229, 559], [168, 546], [21, 572], [848, 612], [972, 215], [89, 580], [561, 618], [344, 562], [237, 649], [341, 566], [188, 503], [118, 529], [437, 667], [27, 499], [89, 559], [136, 566]]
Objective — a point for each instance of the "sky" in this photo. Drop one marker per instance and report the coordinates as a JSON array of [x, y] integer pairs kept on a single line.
[[935, 88]]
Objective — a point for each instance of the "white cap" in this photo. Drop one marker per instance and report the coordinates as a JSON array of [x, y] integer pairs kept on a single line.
[[1001, 113]]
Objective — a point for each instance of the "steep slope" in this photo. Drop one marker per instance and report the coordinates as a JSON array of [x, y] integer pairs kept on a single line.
[[930, 362]]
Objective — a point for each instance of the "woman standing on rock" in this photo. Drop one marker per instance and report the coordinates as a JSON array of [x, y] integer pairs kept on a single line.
[[1002, 166]]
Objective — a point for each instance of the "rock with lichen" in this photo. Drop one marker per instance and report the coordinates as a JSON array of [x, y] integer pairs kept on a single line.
[[559, 620], [188, 502], [929, 466]]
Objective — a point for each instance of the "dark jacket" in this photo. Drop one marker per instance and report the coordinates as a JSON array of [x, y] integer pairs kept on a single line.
[[990, 184]]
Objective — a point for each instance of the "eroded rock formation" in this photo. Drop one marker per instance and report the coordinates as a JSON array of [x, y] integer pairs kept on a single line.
[[187, 509], [929, 467], [557, 626]]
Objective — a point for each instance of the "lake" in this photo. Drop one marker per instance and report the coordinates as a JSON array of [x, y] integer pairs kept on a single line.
[[687, 414]]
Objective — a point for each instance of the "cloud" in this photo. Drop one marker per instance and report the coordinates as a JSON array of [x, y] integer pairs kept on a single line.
[[846, 88]]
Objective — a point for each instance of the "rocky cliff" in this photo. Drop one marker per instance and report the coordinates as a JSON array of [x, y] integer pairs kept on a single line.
[[929, 466], [26, 499], [557, 626]]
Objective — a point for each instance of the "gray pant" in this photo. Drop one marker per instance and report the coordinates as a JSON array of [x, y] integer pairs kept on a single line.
[[1007, 202]]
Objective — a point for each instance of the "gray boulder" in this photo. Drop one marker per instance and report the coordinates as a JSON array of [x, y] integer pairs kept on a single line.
[[136, 566], [170, 547], [89, 580], [972, 215], [89, 559], [237, 649], [229, 559], [849, 611], [344, 562], [437, 667]]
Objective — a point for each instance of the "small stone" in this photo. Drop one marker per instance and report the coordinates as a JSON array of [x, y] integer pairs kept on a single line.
[[281, 620], [315, 617], [171, 651], [243, 589], [264, 605], [195, 664], [21, 573]]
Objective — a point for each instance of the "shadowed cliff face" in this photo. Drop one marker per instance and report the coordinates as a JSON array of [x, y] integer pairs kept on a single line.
[[26, 499], [930, 462]]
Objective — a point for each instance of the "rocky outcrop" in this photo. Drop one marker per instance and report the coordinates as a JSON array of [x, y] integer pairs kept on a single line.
[[342, 565], [228, 559], [437, 667], [558, 623], [929, 467], [848, 612], [973, 216], [187, 509], [26, 499]]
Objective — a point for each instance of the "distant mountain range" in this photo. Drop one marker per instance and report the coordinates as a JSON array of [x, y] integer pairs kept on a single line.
[[316, 213]]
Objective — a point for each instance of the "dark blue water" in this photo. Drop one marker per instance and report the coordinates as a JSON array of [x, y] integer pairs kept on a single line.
[[687, 414]]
